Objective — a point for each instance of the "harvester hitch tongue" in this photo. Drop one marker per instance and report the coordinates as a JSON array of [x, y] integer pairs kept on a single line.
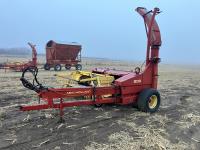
[[35, 85]]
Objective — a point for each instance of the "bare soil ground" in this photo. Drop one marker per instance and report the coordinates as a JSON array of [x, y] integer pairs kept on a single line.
[[175, 126]]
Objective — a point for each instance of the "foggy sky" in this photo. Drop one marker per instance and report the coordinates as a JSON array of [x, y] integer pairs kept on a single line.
[[105, 28]]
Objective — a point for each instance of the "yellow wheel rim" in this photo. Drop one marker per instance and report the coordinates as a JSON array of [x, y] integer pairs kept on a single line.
[[153, 101]]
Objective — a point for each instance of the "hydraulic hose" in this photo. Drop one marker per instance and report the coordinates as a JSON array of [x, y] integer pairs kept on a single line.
[[35, 85]]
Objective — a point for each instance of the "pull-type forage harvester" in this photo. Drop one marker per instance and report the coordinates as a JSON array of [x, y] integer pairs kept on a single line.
[[127, 88], [21, 66]]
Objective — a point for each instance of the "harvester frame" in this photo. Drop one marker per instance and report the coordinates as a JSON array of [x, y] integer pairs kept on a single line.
[[128, 88]]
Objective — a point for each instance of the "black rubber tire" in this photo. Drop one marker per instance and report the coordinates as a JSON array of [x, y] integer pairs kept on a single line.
[[1, 66], [47, 67], [144, 98], [57, 67], [98, 105], [68, 67], [135, 105], [78, 67]]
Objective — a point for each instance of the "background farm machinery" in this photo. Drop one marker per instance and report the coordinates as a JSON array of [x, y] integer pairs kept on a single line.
[[103, 86], [58, 54], [21, 66]]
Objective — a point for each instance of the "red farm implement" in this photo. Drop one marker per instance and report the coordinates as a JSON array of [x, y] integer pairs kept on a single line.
[[21, 66], [139, 87], [58, 54]]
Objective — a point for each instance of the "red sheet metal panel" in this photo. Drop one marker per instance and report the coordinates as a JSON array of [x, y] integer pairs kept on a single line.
[[62, 52]]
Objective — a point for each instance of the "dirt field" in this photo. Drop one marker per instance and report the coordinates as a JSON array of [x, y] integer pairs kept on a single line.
[[175, 126]]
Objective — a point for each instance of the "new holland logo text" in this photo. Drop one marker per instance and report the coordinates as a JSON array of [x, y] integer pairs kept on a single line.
[[77, 92]]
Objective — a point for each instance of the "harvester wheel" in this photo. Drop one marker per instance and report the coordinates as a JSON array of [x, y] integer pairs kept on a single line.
[[47, 67], [57, 67], [67, 67], [78, 67], [98, 105], [149, 100]]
